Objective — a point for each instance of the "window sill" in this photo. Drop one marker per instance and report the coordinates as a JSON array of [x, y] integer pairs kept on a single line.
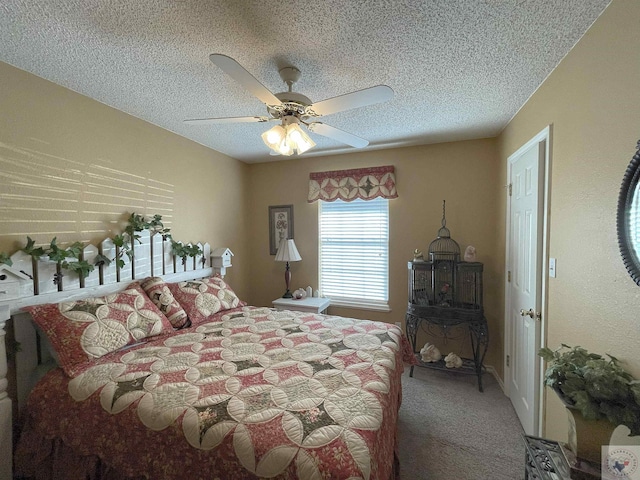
[[360, 306]]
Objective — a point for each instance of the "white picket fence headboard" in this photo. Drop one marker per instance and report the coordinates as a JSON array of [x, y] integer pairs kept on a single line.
[[151, 255]]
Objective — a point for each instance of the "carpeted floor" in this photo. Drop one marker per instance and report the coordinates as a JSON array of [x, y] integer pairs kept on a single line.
[[449, 430]]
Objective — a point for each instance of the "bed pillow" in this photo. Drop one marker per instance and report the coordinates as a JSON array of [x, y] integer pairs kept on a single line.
[[86, 329], [159, 293], [202, 298]]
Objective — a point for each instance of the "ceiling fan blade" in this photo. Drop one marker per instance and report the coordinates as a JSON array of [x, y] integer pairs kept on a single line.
[[337, 134], [244, 78], [361, 98], [209, 121]]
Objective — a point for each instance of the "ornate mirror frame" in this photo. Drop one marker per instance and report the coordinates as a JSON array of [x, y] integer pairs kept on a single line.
[[630, 246]]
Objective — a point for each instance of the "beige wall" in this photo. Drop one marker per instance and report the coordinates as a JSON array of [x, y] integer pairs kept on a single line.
[[72, 167], [462, 173], [592, 100]]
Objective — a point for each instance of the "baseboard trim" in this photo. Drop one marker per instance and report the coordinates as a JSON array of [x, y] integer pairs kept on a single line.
[[490, 369]]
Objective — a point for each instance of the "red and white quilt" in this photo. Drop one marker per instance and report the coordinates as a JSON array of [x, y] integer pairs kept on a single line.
[[252, 393]]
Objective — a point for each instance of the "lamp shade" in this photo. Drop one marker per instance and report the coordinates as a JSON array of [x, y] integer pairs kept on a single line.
[[298, 139], [274, 136], [288, 138], [287, 251]]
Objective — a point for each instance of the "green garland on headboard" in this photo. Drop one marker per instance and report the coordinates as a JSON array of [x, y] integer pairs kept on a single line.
[[69, 258]]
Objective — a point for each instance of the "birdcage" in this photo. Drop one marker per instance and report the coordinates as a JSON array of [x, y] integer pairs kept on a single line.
[[468, 292], [444, 286], [460, 287], [443, 247], [444, 254]]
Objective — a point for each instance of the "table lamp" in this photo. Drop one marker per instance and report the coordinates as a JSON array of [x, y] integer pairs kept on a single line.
[[287, 252]]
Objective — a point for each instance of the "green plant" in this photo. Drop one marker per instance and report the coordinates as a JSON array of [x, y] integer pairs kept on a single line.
[[135, 223], [5, 259], [184, 251], [73, 251], [59, 255], [138, 223], [124, 241], [156, 226], [32, 250], [81, 267], [596, 386], [124, 248]]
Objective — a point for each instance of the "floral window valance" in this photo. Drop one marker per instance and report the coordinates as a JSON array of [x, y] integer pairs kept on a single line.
[[347, 185]]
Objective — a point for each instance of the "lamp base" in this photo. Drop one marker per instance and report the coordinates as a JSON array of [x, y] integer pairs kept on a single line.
[[287, 280]]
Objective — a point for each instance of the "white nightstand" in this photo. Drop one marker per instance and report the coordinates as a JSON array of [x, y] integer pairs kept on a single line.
[[309, 304]]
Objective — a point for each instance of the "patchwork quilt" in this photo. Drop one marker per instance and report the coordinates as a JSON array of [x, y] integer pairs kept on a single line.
[[251, 393]]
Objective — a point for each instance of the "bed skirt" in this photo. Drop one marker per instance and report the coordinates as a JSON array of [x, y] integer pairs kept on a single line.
[[51, 459], [41, 458]]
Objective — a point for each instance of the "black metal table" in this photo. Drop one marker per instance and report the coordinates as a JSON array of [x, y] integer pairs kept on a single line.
[[445, 319]]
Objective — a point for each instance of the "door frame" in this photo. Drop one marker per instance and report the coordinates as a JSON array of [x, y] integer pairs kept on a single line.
[[546, 136]]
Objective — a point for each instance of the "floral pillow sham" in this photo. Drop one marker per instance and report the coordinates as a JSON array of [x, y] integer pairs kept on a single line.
[[86, 329], [202, 298]]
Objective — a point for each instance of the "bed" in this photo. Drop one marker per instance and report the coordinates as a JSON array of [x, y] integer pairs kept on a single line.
[[226, 391]]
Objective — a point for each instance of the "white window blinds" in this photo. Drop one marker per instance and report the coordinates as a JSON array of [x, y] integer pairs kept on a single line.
[[354, 252]]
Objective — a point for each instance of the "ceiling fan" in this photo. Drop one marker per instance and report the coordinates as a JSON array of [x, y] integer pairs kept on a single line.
[[294, 109]]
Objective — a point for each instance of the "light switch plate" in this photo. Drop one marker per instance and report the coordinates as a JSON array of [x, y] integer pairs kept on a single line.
[[552, 267]]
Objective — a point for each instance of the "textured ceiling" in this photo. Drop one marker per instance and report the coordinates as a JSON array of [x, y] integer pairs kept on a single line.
[[460, 69]]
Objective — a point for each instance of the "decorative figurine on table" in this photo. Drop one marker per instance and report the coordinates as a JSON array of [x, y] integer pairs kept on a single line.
[[442, 296], [299, 294], [430, 353], [452, 361], [470, 254], [418, 256]]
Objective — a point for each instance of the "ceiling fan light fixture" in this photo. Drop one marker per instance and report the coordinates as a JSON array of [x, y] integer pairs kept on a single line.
[[284, 148], [273, 137], [287, 139], [298, 138]]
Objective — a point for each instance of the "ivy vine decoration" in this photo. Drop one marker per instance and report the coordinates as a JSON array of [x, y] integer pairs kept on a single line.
[[124, 248], [69, 258], [157, 227], [35, 253], [5, 259], [58, 255], [62, 256], [30, 249], [125, 241], [81, 267], [185, 251], [136, 223]]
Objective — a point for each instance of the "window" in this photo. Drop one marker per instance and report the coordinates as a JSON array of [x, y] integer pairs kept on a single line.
[[354, 252]]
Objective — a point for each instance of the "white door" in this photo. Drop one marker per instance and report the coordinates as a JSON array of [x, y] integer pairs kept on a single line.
[[525, 288]]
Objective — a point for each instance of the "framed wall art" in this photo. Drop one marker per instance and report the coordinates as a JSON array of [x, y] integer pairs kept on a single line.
[[280, 225]]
